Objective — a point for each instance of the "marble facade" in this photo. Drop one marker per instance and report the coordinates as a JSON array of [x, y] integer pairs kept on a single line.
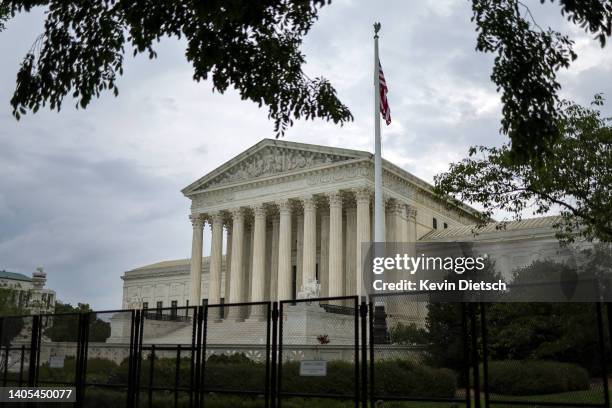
[[282, 215]]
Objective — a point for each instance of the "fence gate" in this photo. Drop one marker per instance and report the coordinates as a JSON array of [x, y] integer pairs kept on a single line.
[[406, 365], [112, 352], [236, 354], [167, 357], [318, 351]]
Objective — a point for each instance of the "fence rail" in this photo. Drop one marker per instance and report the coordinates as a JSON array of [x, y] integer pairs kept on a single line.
[[360, 354]]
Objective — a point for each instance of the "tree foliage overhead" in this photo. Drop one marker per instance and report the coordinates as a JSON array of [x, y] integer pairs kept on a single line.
[[527, 59], [252, 46], [575, 179]]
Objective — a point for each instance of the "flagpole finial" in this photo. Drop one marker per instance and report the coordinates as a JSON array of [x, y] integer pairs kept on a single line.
[[376, 29]]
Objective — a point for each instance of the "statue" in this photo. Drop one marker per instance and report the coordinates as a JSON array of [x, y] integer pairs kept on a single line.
[[310, 290]]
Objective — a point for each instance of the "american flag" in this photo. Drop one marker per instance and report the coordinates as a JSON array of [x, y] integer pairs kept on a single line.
[[384, 104]]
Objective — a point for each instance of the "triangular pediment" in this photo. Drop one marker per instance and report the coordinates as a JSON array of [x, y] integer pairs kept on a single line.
[[272, 157]]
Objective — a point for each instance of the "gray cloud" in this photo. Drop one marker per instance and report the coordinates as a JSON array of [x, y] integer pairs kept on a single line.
[[90, 194]]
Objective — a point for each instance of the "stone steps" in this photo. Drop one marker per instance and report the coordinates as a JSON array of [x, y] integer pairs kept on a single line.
[[219, 332]]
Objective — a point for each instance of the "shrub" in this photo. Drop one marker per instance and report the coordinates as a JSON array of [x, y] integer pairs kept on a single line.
[[406, 378], [408, 334], [516, 377]]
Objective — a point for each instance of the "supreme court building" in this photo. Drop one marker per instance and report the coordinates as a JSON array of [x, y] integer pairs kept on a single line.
[[288, 217]]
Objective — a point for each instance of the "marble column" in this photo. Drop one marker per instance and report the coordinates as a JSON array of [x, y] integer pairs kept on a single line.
[[350, 263], [324, 263], [258, 279], [228, 262], [197, 222], [247, 261], [237, 261], [362, 197], [274, 260], [309, 253], [216, 257], [390, 221], [335, 244], [299, 247], [284, 251]]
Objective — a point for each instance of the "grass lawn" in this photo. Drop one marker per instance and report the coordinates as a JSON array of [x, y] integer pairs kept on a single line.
[[578, 397]]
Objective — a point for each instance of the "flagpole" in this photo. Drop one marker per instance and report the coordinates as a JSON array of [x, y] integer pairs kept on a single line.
[[379, 225]]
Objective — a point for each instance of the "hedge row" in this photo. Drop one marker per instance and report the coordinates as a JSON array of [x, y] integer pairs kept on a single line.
[[393, 378], [515, 377]]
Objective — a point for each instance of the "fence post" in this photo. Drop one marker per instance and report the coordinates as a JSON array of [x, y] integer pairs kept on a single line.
[[363, 310], [151, 374], [203, 322], [80, 358], [274, 363], [475, 365], [356, 312], [602, 351], [466, 353], [268, 338], [196, 340], [372, 362], [609, 313], [133, 358], [177, 374], [139, 337], [1, 342], [485, 354], [34, 351]]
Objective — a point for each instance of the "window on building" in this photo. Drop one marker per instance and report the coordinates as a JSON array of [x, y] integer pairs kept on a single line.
[[445, 225], [187, 303], [435, 223], [145, 305], [159, 307]]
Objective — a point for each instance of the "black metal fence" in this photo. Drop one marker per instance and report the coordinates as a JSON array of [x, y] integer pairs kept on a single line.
[[404, 350]]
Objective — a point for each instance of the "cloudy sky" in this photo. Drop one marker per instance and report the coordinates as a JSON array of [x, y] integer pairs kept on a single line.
[[89, 194]]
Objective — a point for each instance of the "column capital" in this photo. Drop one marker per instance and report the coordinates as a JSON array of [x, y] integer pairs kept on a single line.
[[237, 212], [363, 195], [335, 199], [197, 220], [216, 217], [309, 203], [396, 207], [259, 211], [284, 206]]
